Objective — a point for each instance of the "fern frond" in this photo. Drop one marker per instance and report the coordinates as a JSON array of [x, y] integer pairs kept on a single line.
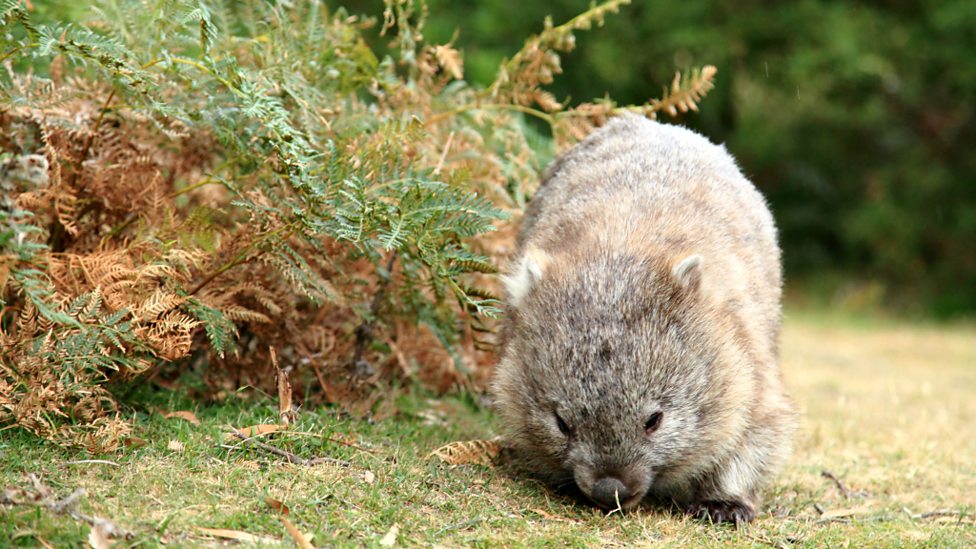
[[537, 62], [200, 15], [221, 332], [158, 303], [684, 94], [468, 452], [14, 10], [238, 313], [487, 297]]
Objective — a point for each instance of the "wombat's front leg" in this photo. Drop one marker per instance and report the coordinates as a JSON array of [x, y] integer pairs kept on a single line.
[[729, 493], [737, 512]]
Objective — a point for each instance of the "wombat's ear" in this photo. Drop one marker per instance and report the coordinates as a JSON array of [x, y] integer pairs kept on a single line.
[[687, 272], [526, 274]]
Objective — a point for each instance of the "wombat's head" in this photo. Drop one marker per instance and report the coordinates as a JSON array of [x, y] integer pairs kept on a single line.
[[606, 374]]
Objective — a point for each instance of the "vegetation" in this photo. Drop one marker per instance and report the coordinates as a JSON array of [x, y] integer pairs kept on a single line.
[[855, 119], [896, 433], [189, 185], [202, 201]]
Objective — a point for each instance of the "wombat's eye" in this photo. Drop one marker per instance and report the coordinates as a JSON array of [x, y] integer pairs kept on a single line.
[[563, 427], [653, 423]]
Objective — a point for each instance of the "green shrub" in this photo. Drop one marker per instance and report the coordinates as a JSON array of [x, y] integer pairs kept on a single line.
[[193, 184]]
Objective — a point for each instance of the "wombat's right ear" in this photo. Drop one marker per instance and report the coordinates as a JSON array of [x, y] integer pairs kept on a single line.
[[526, 274], [687, 272]]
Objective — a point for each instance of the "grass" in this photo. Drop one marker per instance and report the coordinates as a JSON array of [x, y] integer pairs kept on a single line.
[[888, 408]]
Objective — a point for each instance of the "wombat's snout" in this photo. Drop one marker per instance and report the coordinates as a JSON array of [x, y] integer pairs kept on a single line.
[[609, 492]]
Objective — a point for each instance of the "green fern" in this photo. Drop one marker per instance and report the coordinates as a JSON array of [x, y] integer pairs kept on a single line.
[[221, 332], [257, 112], [323, 146]]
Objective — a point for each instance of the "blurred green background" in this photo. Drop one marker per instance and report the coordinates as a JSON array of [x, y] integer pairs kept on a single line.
[[855, 119]]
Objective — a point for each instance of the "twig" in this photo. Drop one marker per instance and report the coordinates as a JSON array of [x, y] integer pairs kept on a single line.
[[66, 503], [320, 378], [842, 520], [840, 485], [39, 487], [941, 513], [13, 51], [618, 508], [99, 461], [244, 254], [549, 119], [447, 147], [293, 458], [98, 124], [269, 448], [67, 506], [364, 333], [330, 439], [324, 459], [211, 178], [935, 513], [764, 540]]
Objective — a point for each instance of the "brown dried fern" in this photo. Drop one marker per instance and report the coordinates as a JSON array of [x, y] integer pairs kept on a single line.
[[469, 452], [139, 209], [684, 94], [519, 79]]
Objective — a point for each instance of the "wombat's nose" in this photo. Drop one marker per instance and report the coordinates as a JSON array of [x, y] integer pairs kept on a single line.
[[609, 492]]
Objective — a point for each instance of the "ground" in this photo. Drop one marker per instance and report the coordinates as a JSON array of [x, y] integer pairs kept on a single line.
[[888, 411]]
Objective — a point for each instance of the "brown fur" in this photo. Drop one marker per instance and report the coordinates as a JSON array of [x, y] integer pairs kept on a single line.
[[647, 280]]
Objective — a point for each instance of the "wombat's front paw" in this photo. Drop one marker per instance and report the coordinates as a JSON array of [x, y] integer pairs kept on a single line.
[[736, 512]]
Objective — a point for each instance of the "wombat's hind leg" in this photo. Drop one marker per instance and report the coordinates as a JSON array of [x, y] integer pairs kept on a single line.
[[736, 512]]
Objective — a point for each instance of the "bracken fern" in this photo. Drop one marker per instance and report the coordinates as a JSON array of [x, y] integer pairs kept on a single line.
[[188, 181]]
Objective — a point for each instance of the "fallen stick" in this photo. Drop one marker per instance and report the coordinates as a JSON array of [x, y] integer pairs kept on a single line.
[[840, 485], [293, 458], [68, 505], [935, 513], [95, 461]]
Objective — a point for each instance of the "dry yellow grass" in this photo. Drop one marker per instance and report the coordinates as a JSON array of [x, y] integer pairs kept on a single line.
[[890, 410]]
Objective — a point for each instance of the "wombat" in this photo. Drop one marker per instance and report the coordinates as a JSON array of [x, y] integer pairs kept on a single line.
[[640, 344]]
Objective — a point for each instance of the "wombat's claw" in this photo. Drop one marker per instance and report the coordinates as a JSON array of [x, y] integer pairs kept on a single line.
[[736, 512]]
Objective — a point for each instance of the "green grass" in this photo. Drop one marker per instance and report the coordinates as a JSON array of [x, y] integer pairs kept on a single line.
[[889, 408]]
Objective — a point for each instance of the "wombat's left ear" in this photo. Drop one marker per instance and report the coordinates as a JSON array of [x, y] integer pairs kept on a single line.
[[687, 272], [525, 275]]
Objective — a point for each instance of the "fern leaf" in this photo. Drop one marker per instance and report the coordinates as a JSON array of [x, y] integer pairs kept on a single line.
[[220, 331], [468, 452], [158, 303], [685, 92], [208, 31], [13, 10]]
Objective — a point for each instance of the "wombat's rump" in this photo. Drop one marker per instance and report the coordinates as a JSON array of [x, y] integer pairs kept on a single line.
[[640, 352]]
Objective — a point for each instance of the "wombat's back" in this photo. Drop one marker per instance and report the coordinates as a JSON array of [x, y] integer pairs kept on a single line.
[[663, 191], [640, 339]]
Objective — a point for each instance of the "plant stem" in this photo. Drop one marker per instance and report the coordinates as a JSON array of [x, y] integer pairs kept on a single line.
[[548, 118], [203, 182], [242, 256], [364, 333]]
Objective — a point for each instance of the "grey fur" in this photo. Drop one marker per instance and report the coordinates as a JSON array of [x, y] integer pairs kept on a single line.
[[647, 279]]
